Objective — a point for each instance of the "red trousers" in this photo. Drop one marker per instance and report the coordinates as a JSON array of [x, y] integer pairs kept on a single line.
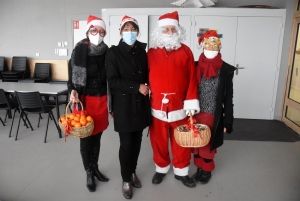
[[204, 152], [160, 133]]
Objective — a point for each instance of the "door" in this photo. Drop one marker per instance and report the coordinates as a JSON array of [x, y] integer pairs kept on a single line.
[[291, 109], [257, 56]]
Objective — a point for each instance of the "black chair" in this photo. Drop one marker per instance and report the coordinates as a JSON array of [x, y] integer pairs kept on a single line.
[[9, 104], [3, 66], [31, 103], [19, 70], [42, 74]]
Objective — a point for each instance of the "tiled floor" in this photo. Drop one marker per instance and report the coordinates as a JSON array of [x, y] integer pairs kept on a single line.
[[31, 170]]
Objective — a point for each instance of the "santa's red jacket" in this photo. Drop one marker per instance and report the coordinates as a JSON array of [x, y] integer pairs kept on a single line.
[[172, 80]]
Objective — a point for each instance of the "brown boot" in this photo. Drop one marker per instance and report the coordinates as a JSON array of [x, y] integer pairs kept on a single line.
[[127, 190], [135, 181]]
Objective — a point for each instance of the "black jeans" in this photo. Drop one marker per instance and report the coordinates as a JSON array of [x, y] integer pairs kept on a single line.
[[130, 146], [86, 144]]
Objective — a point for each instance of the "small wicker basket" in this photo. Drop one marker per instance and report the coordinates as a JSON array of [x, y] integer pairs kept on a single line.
[[81, 132], [187, 138]]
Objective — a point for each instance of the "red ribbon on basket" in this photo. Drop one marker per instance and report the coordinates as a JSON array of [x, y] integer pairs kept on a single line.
[[190, 126], [68, 129]]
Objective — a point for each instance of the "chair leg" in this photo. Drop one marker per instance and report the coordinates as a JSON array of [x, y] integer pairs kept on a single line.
[[47, 128], [18, 125], [28, 120], [40, 117], [12, 122], [6, 116], [2, 121], [54, 122], [23, 119]]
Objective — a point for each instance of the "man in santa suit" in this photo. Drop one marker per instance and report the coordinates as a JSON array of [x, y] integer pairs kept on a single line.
[[173, 85]]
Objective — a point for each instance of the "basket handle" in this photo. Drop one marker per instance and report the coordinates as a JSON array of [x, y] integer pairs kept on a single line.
[[68, 107]]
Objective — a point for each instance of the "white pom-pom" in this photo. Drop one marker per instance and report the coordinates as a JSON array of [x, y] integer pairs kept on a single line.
[[161, 115], [165, 100]]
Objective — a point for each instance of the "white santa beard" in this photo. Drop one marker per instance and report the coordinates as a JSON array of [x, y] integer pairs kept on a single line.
[[169, 42]]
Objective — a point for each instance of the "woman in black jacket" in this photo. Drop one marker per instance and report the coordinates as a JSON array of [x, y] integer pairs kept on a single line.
[[127, 75], [87, 82], [215, 98]]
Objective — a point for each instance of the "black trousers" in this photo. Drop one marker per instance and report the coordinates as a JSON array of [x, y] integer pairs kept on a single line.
[[130, 146], [86, 144]]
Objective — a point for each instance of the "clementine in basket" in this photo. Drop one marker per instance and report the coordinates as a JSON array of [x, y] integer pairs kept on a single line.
[[89, 118], [76, 118], [73, 122], [71, 116], [63, 118], [77, 125], [83, 122]]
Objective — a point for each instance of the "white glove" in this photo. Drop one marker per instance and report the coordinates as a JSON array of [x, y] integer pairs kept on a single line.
[[187, 112]]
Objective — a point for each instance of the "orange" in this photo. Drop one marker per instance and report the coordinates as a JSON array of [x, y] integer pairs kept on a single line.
[[83, 122], [63, 118], [77, 125], [63, 122], [89, 118], [71, 116], [76, 118], [77, 115], [73, 122]]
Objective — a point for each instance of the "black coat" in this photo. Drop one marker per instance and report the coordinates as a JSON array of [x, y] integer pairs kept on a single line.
[[126, 69], [224, 111]]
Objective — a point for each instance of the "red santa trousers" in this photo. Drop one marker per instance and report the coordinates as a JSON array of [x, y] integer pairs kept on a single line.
[[160, 132], [204, 152], [96, 107]]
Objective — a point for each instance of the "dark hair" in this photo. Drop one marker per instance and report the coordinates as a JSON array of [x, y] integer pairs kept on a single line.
[[133, 24]]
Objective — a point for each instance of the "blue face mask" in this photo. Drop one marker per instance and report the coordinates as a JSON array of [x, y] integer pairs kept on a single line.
[[129, 37]]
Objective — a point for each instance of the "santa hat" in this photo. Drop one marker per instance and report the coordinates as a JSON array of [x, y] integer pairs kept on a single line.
[[168, 19], [94, 21], [128, 19], [208, 34]]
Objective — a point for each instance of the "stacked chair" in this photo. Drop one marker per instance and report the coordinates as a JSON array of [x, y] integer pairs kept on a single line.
[[3, 66], [42, 74], [19, 70]]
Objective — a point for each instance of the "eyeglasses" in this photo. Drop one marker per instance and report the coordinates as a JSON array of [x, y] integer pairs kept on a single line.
[[167, 30], [212, 44], [94, 32]]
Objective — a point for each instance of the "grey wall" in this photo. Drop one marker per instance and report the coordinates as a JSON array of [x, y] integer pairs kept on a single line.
[[35, 26]]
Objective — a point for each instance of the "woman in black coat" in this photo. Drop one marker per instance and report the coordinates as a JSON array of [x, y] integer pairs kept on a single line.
[[127, 75], [215, 98]]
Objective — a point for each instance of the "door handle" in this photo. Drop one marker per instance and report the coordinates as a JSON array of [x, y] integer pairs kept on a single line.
[[237, 69]]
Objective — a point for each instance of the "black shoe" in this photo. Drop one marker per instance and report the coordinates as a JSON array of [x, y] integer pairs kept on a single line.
[[197, 175], [186, 180], [135, 181], [127, 190], [98, 174], [157, 178], [205, 177]]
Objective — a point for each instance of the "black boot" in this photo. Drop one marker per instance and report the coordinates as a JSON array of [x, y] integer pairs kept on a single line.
[[205, 177], [90, 180], [186, 180], [95, 157], [197, 175], [158, 177]]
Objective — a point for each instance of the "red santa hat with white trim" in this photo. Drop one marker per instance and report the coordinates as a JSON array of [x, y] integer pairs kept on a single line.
[[94, 21], [168, 19], [128, 19]]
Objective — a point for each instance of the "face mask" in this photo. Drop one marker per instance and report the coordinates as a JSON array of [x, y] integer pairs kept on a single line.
[[129, 37], [95, 39], [210, 54]]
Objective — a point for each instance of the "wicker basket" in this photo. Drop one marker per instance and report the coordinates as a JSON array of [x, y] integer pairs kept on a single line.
[[187, 138], [81, 132]]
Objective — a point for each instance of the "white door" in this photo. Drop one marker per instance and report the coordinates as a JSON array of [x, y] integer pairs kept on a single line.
[[257, 50], [226, 26], [113, 36]]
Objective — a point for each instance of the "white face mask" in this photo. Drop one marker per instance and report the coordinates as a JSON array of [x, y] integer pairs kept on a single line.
[[210, 54], [95, 39]]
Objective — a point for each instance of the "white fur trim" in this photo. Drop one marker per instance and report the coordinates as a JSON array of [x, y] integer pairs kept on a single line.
[[128, 20], [167, 21], [172, 116], [191, 105], [181, 171], [100, 23], [163, 170]]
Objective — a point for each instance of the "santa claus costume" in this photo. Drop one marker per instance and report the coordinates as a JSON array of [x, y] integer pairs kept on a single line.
[[173, 86], [215, 96]]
